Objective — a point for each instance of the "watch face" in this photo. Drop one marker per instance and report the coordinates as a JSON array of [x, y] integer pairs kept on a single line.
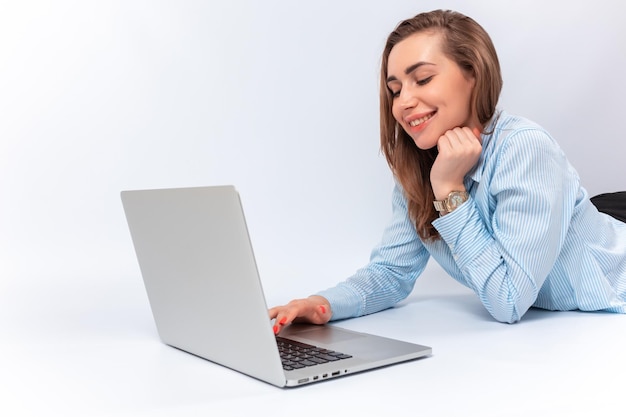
[[456, 199]]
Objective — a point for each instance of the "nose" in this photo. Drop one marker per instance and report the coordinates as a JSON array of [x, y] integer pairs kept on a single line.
[[407, 98]]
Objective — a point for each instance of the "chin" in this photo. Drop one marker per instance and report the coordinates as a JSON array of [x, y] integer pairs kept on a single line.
[[424, 145]]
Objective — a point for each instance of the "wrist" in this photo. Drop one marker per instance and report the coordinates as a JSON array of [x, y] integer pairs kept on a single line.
[[319, 300], [441, 192], [451, 202]]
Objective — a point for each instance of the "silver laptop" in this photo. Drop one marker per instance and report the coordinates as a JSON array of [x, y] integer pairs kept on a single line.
[[201, 278]]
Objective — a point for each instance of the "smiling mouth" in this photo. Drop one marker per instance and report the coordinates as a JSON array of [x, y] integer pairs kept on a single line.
[[421, 120]]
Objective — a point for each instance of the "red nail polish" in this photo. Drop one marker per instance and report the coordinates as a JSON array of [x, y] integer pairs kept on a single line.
[[275, 329], [323, 309], [283, 321]]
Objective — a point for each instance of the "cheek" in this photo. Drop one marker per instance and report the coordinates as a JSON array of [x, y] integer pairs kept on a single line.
[[467, 87]]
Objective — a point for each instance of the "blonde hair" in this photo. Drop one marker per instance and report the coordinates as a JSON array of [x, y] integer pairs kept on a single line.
[[465, 42]]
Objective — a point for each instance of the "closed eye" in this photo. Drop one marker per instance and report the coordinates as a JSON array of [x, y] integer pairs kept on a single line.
[[424, 81]]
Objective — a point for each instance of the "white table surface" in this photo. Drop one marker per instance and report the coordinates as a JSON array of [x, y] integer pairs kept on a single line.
[[74, 345]]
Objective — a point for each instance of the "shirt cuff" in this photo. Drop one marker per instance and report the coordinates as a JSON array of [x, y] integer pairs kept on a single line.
[[462, 232], [450, 225]]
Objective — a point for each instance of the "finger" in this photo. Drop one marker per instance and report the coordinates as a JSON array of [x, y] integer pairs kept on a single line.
[[457, 136], [470, 134], [279, 324], [443, 143], [464, 138], [285, 315], [467, 135], [448, 142], [273, 312]]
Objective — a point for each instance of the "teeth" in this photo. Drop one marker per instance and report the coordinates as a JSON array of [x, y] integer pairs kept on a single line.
[[421, 120]]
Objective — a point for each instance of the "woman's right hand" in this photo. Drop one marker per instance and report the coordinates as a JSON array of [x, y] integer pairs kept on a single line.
[[458, 152], [314, 309]]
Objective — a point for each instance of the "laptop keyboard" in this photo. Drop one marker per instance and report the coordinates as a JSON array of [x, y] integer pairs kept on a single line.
[[297, 355]]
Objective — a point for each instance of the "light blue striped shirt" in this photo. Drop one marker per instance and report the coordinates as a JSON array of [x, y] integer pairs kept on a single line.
[[527, 236]]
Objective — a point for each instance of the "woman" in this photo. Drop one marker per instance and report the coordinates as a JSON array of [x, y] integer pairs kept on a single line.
[[490, 196]]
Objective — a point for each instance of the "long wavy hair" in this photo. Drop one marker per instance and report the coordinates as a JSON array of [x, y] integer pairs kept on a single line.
[[465, 42]]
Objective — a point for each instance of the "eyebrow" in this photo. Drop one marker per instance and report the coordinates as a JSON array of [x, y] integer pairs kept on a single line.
[[409, 70]]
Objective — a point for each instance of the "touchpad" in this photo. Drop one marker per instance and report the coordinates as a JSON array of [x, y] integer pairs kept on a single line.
[[324, 334]]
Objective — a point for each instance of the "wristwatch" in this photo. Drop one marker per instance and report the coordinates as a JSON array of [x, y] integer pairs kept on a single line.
[[454, 200]]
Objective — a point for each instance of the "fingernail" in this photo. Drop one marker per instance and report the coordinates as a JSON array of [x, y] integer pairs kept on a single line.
[[275, 329], [283, 321], [323, 309], [476, 132]]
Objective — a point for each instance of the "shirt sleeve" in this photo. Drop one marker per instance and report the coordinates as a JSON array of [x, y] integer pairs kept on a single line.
[[506, 257], [389, 277]]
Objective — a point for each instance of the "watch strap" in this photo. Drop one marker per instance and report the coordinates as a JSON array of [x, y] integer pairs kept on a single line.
[[445, 206], [440, 206]]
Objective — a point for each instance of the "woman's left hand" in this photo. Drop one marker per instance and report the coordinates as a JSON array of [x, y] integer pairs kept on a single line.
[[459, 150]]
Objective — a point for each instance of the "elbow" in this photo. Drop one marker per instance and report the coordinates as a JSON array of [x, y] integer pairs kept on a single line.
[[509, 308], [510, 319], [504, 314]]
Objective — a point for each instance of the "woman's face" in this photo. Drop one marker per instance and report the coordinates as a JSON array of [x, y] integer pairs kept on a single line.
[[431, 94]]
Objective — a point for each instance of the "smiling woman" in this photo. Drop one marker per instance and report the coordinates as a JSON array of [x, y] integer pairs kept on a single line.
[[489, 195], [459, 56]]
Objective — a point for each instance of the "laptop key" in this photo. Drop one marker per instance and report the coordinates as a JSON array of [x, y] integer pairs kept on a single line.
[[343, 356], [328, 358], [297, 355]]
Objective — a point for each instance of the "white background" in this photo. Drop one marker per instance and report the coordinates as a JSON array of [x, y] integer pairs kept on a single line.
[[279, 98]]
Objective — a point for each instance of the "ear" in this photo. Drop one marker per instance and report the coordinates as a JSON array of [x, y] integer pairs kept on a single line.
[[470, 75]]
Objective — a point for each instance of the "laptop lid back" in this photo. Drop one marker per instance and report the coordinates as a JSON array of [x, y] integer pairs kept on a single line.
[[201, 277]]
